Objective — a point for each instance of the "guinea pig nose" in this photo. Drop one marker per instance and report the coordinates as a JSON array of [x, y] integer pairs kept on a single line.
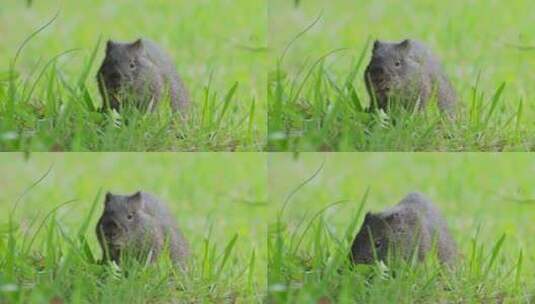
[[111, 229], [377, 70], [115, 75]]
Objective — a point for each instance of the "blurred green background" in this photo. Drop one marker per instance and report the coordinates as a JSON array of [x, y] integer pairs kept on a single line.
[[215, 195], [203, 37], [492, 190], [214, 44], [492, 40]]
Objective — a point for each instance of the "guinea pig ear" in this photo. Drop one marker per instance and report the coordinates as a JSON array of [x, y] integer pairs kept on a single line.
[[404, 45], [135, 201], [109, 45], [393, 219], [107, 198], [137, 46], [376, 45]]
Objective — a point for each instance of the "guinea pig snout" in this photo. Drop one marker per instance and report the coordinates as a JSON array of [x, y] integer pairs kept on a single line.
[[377, 71], [114, 79], [111, 230], [380, 78], [115, 75]]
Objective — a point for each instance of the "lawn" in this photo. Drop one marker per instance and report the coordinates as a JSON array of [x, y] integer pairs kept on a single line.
[[487, 200], [318, 51], [49, 253], [49, 97]]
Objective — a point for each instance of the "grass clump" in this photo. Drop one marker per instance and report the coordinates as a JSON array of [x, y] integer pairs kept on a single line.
[[49, 99], [309, 263], [47, 262], [316, 109], [485, 198], [46, 112], [49, 250], [317, 99]]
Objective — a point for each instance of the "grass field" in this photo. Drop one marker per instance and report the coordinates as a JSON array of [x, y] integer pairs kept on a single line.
[[48, 100], [487, 200], [49, 253], [320, 49]]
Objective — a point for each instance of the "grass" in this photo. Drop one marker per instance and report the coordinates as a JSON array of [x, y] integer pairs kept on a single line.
[[48, 92], [318, 100], [322, 200], [48, 247]]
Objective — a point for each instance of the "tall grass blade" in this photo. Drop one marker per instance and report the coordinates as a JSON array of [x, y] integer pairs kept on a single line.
[[494, 255], [494, 102], [226, 103], [294, 191], [226, 255]]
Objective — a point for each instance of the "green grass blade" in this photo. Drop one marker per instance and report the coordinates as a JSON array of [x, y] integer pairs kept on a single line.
[[226, 103], [494, 102], [87, 68], [226, 255]]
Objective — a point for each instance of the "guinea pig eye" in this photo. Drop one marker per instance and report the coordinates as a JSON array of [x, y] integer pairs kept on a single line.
[[132, 65], [397, 63], [130, 216], [378, 243]]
